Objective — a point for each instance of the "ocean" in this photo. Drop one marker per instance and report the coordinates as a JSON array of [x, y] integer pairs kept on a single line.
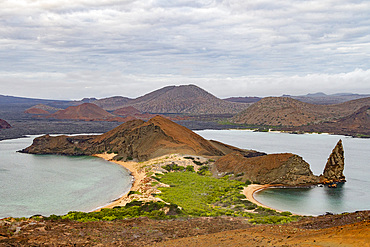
[[53, 184], [315, 149]]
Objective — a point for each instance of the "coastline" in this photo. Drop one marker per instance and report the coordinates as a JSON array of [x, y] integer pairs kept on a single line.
[[253, 188], [137, 175]]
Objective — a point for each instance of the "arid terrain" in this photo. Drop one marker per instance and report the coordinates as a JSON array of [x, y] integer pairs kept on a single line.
[[330, 230]]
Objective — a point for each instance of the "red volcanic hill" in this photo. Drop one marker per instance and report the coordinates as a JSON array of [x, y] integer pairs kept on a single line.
[[184, 99], [36, 111], [134, 139], [4, 124], [85, 111]]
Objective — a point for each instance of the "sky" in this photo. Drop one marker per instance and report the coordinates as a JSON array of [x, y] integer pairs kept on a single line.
[[71, 49]]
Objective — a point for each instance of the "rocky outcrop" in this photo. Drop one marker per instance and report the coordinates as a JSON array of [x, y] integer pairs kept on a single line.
[[283, 169], [135, 139], [4, 124], [333, 171]]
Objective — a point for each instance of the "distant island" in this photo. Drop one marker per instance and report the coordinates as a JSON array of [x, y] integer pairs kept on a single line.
[[192, 107]]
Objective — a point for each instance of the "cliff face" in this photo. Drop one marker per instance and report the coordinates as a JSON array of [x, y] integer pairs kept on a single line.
[[286, 169], [335, 165]]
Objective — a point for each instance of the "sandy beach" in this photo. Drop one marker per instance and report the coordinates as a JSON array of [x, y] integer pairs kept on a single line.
[[138, 177], [253, 188]]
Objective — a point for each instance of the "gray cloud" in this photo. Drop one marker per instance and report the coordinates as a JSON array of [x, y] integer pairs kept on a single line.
[[94, 48]]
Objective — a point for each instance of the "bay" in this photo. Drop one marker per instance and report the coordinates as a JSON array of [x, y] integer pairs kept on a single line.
[[53, 184], [315, 149]]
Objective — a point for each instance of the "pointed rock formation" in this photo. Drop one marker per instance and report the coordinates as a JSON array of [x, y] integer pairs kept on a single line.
[[334, 167]]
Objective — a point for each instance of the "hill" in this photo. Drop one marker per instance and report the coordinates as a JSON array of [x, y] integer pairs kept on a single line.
[[284, 111], [112, 103], [36, 111], [85, 111], [126, 111], [185, 99], [134, 140], [267, 169], [356, 124]]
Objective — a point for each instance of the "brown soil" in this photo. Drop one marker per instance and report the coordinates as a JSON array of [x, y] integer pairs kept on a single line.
[[330, 230]]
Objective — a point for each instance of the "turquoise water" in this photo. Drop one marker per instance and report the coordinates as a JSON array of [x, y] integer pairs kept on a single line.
[[315, 149], [52, 184]]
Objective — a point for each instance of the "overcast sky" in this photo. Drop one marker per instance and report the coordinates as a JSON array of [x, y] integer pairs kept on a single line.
[[70, 49]]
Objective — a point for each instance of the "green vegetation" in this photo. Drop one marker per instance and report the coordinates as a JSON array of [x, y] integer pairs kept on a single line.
[[173, 167], [154, 210], [190, 195], [204, 171], [208, 196]]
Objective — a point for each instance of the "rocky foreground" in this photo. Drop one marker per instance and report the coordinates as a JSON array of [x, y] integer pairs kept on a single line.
[[330, 230]]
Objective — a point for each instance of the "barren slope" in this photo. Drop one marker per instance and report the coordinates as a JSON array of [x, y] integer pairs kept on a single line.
[[85, 111], [284, 111]]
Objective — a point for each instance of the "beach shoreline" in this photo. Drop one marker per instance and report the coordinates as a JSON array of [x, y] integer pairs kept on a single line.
[[137, 175], [251, 189]]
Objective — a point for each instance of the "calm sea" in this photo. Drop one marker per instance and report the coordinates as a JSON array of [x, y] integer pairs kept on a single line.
[[52, 184], [315, 149]]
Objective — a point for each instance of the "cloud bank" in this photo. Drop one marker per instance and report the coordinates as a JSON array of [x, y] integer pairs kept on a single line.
[[73, 49]]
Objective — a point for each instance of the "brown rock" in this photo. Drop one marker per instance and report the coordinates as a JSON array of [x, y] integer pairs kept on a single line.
[[285, 169], [335, 165]]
